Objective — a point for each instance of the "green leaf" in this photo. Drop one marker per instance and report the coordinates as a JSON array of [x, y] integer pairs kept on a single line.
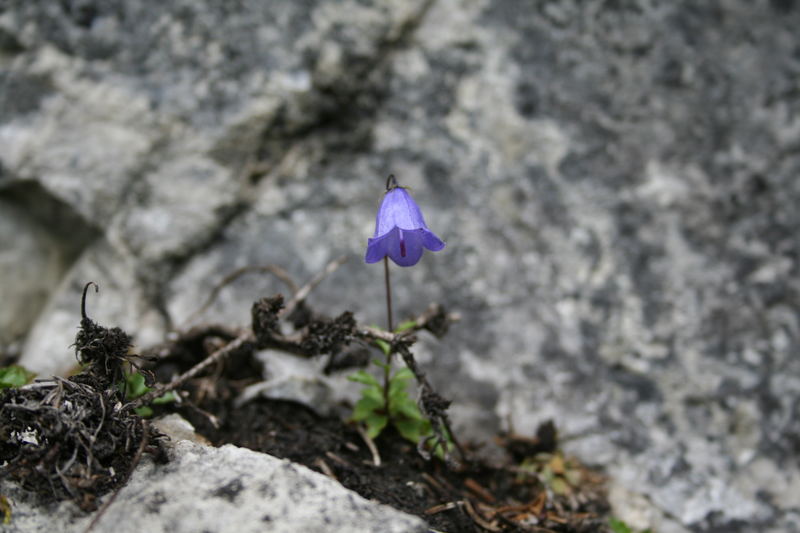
[[364, 407], [384, 346], [375, 393], [404, 374], [5, 507], [165, 398], [412, 430], [408, 324], [395, 400], [397, 397], [398, 393], [618, 526], [14, 376], [440, 449], [397, 389], [375, 424], [408, 409], [135, 386], [399, 383], [364, 377], [380, 364], [144, 411]]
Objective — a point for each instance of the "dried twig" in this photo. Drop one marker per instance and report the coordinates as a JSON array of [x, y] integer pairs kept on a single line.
[[215, 357], [431, 404], [433, 316], [376, 458], [433, 482], [244, 338], [320, 462], [338, 459], [478, 519], [436, 320], [443, 507], [478, 490], [517, 526]]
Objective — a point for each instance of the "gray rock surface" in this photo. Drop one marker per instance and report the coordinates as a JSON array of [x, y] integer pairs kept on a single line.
[[617, 183], [36, 250], [219, 489]]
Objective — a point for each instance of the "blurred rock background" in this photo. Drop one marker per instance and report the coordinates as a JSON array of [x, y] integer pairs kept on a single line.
[[617, 183]]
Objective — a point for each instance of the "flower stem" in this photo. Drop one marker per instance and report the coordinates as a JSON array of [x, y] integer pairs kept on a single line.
[[387, 370]]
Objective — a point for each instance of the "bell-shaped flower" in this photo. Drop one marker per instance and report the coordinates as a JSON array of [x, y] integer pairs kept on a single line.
[[400, 230]]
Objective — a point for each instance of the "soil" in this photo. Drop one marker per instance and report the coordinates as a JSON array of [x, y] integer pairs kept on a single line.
[[471, 497], [529, 486]]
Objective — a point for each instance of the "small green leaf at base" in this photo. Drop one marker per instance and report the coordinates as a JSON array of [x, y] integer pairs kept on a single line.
[[619, 526], [14, 376], [411, 429], [5, 508], [135, 386], [144, 411], [365, 406], [169, 397], [375, 424], [405, 408], [402, 411], [375, 394]]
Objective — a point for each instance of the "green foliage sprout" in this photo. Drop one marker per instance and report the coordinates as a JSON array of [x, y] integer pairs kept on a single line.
[[14, 376], [135, 386], [619, 526], [5, 508], [402, 411]]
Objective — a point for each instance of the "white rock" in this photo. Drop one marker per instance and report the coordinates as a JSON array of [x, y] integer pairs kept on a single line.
[[224, 490]]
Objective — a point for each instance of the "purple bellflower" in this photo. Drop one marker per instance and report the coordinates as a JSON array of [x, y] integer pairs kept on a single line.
[[400, 230]]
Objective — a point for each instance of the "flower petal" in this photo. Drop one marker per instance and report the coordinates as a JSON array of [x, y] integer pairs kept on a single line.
[[378, 247], [398, 209], [431, 241], [400, 230], [406, 249]]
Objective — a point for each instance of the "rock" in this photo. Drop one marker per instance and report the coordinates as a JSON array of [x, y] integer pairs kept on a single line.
[[178, 428], [288, 377], [639, 513], [31, 281], [36, 249], [616, 185], [227, 489]]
